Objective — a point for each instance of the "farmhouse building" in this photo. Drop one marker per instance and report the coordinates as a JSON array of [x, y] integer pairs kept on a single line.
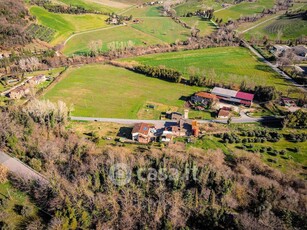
[[232, 96], [203, 98], [143, 133], [19, 92], [37, 80]]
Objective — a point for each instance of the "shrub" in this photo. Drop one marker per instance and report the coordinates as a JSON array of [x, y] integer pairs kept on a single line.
[[3, 174]]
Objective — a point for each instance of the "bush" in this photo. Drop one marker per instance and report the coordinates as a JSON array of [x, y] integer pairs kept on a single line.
[[3, 174], [36, 164]]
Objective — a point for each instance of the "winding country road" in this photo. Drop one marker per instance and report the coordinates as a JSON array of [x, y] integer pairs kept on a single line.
[[18, 168]]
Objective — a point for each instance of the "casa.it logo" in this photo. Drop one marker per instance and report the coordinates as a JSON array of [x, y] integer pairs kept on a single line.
[[120, 174]]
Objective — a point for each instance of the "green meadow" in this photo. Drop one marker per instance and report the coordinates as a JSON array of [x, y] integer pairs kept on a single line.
[[244, 9], [148, 11], [81, 42], [229, 65], [107, 91], [90, 5], [67, 24], [206, 27], [194, 5], [164, 29]]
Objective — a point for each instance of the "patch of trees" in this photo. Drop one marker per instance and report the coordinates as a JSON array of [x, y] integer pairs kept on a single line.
[[210, 190], [298, 137], [297, 119], [265, 93], [206, 14], [159, 72], [13, 19]]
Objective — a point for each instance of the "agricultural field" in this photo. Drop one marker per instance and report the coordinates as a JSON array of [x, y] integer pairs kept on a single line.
[[15, 208], [81, 43], [243, 9], [67, 24], [164, 29], [206, 27], [194, 5], [148, 11], [283, 28], [41, 32], [92, 5], [229, 65], [107, 91]]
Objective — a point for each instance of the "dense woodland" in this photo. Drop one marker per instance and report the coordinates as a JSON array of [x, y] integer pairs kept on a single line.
[[13, 20], [214, 191]]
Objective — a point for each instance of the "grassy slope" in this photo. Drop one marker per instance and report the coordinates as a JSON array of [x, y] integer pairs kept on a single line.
[[194, 5], [205, 27], [107, 91], [66, 24], [90, 5], [149, 11], [231, 65], [244, 9], [291, 28], [164, 29], [81, 42]]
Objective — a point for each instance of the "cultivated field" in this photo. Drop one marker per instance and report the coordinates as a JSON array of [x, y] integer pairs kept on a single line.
[[229, 65], [165, 29], [194, 5], [67, 24], [80, 43], [107, 91], [283, 28], [99, 5], [244, 9], [205, 27], [148, 11]]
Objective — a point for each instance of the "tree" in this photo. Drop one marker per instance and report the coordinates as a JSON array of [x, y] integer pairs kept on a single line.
[[265, 93]]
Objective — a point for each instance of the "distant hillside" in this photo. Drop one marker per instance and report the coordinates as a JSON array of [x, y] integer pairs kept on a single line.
[[13, 19]]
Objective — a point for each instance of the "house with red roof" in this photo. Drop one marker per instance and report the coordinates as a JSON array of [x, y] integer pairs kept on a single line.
[[143, 133]]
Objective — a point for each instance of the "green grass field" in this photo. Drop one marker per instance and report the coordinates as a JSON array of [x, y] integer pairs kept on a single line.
[[90, 5], [164, 29], [244, 9], [194, 5], [282, 27], [107, 91], [205, 27], [231, 65], [80, 43], [148, 11], [67, 24]]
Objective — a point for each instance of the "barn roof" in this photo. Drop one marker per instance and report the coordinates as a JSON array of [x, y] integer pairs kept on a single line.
[[224, 92], [245, 96]]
